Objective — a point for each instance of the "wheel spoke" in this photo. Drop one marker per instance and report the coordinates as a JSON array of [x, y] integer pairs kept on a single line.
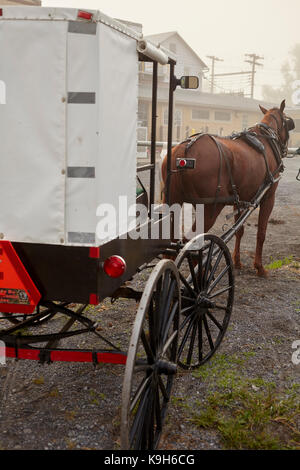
[[139, 419], [200, 270], [214, 320], [185, 337], [166, 321], [170, 320], [211, 344], [139, 392], [147, 346], [192, 343], [188, 286], [158, 411], [208, 263], [219, 292], [200, 341], [212, 273], [163, 389], [217, 280], [169, 342], [192, 271]]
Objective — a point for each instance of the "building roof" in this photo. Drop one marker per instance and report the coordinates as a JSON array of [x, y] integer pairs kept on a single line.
[[206, 100], [20, 2], [160, 38]]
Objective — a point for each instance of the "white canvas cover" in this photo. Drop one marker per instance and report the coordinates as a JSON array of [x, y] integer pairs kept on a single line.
[[68, 125]]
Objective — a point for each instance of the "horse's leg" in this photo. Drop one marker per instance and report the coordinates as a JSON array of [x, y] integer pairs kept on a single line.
[[265, 210], [238, 236]]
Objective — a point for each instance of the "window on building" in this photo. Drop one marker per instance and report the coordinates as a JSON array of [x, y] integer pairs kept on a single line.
[[222, 116], [177, 118], [143, 114], [200, 114]]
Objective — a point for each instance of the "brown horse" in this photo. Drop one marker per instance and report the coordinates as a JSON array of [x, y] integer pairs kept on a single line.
[[242, 172]]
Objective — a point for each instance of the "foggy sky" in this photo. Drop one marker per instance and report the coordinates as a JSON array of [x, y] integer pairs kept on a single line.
[[227, 29]]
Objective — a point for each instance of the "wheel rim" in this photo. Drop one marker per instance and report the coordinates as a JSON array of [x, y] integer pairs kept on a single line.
[[151, 360], [207, 291]]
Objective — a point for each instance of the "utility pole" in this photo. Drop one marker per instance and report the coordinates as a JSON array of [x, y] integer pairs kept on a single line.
[[253, 58], [213, 60]]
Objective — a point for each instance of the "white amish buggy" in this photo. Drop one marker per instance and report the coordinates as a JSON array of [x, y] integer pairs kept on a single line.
[[68, 143]]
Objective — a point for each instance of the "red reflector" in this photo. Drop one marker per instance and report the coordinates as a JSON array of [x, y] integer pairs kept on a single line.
[[18, 293], [94, 299], [182, 163], [1, 12], [114, 266], [94, 252], [85, 15]]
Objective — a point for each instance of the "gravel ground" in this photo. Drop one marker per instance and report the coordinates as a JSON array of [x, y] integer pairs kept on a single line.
[[77, 406]]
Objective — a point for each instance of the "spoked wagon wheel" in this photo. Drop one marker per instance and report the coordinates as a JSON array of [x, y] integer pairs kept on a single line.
[[207, 292], [151, 360]]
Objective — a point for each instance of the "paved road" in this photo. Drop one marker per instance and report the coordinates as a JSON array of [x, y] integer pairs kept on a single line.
[[289, 188]]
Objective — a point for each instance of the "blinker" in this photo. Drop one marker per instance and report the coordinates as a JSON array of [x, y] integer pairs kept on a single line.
[[290, 124]]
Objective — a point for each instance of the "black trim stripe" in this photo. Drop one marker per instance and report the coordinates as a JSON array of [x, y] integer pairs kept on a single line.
[[81, 172], [80, 27], [81, 97]]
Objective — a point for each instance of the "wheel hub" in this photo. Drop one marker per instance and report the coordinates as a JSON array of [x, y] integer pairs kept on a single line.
[[165, 367], [204, 302]]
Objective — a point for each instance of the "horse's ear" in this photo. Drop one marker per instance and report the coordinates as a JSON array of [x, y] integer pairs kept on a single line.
[[263, 110], [282, 106]]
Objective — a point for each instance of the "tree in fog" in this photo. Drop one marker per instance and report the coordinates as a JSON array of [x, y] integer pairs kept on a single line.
[[290, 72]]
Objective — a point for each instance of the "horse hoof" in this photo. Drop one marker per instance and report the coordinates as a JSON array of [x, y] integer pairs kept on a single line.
[[261, 272], [238, 266]]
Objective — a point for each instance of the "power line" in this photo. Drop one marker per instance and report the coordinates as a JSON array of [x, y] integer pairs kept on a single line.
[[253, 61], [213, 60]]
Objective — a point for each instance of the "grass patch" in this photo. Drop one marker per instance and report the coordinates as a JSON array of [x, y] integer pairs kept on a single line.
[[277, 264], [248, 413]]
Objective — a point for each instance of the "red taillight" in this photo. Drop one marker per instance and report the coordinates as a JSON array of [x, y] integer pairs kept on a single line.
[[85, 15], [114, 266], [1, 12], [182, 163]]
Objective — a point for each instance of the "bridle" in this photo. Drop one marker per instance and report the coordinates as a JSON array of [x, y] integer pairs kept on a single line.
[[286, 124]]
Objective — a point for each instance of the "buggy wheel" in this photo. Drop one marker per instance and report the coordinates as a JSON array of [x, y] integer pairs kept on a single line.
[[151, 360], [207, 293]]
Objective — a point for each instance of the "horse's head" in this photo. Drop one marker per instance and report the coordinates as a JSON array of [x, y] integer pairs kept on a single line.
[[280, 123]]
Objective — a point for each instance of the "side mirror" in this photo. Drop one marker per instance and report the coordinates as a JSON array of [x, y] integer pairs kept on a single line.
[[189, 82]]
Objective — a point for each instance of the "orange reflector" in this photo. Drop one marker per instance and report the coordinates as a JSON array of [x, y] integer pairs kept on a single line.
[[85, 15], [18, 294]]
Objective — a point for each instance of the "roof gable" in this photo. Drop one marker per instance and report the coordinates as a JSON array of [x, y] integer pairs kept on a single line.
[[161, 38]]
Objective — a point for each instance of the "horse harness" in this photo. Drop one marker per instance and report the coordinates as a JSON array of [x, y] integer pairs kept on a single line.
[[251, 137]]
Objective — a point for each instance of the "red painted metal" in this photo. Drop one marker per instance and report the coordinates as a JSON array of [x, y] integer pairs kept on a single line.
[[94, 252], [68, 356], [94, 299], [18, 293]]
